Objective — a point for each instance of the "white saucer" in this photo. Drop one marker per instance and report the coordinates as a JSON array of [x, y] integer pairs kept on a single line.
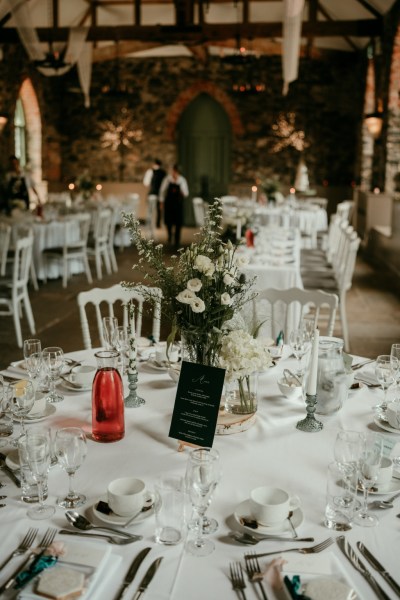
[[69, 382], [243, 510], [12, 459], [163, 367], [385, 425], [113, 519], [49, 410]]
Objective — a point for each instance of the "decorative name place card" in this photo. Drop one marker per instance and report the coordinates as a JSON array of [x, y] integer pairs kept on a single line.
[[197, 401]]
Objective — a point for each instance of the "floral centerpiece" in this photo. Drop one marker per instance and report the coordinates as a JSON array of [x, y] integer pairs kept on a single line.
[[202, 288], [270, 187], [85, 185], [243, 357]]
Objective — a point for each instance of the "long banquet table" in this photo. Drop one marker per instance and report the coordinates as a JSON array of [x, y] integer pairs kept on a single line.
[[271, 452]]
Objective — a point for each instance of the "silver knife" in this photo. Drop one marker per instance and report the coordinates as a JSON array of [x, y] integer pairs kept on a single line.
[[133, 569], [151, 571], [377, 565], [357, 564], [12, 475]]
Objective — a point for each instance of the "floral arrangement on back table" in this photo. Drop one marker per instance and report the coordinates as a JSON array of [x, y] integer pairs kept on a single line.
[[202, 289]]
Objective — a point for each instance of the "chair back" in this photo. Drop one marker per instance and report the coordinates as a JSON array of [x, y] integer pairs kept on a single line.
[[102, 226], [5, 238], [22, 264], [285, 309], [112, 302], [199, 211], [76, 231]]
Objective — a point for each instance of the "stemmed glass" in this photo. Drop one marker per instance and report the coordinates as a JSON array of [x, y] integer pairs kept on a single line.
[[121, 343], [385, 371], [202, 476], [369, 470], [53, 361], [299, 341], [6, 422], [33, 358], [36, 450], [70, 447], [395, 353], [109, 326], [22, 399], [348, 449]]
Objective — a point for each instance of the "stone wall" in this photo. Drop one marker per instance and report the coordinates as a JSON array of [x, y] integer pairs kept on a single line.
[[327, 100]]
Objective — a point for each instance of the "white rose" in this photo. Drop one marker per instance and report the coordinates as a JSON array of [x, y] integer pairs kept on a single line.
[[226, 300], [186, 296], [194, 285], [197, 305], [204, 265], [228, 279], [241, 261]]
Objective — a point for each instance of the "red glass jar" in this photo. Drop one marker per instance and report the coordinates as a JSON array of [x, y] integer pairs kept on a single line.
[[108, 420]]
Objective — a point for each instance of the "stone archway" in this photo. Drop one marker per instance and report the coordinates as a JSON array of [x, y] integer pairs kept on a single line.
[[33, 129], [186, 97]]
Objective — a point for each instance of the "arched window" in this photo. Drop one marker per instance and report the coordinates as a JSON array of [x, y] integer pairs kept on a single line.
[[20, 133]]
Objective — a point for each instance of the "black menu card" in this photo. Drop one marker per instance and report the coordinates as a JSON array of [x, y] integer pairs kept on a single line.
[[197, 401]]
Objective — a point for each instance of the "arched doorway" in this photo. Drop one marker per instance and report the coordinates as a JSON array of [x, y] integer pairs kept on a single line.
[[204, 148]]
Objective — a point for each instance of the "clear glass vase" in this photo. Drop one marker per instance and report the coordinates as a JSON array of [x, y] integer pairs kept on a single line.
[[201, 348], [241, 395]]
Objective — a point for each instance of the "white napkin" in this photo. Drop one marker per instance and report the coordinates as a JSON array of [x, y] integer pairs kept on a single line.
[[367, 377]]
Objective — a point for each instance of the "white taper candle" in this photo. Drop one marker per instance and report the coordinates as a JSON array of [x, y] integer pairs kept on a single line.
[[311, 389]]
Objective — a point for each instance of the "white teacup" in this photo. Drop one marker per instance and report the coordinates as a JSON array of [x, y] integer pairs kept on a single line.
[[126, 495], [83, 374], [393, 414], [385, 472], [162, 355], [271, 506]]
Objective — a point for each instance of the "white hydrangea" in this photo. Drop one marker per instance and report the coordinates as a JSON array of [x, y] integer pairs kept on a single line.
[[197, 305], [241, 355], [194, 285], [186, 296]]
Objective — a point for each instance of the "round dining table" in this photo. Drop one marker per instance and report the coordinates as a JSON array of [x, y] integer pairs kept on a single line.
[[272, 452]]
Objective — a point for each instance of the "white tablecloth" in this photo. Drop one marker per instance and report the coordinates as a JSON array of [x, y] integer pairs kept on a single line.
[[51, 235], [272, 452]]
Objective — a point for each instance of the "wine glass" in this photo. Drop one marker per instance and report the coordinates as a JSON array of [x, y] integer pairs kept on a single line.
[[348, 449], [395, 352], [6, 421], [53, 361], [370, 463], [22, 398], [36, 450], [202, 476], [299, 342], [70, 447], [33, 358], [109, 326], [386, 368], [121, 343]]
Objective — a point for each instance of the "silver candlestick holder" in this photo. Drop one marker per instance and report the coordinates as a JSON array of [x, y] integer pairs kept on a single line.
[[132, 400], [310, 423]]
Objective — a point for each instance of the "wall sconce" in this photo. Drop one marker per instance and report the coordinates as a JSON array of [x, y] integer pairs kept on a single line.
[[374, 122], [3, 121]]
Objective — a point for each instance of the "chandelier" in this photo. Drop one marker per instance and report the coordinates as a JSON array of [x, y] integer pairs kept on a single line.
[[246, 76]]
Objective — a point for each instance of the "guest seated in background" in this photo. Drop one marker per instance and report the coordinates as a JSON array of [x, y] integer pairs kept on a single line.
[[174, 189], [153, 179], [18, 184]]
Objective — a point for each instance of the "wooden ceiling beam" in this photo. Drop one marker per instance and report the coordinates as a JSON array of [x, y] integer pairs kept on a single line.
[[196, 34], [347, 39], [370, 8]]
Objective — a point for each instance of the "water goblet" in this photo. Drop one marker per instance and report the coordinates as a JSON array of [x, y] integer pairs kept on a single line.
[[33, 358], [348, 449], [22, 398], [109, 326], [71, 449], [37, 454], [53, 361], [121, 343], [385, 371], [395, 352], [370, 463], [202, 476], [299, 342], [6, 421]]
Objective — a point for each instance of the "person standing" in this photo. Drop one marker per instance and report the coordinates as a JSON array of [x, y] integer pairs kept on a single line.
[[18, 184], [153, 179], [174, 189]]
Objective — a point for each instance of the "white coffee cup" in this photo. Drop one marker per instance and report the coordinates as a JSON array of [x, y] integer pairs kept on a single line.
[[162, 355], [393, 414], [271, 506], [83, 374], [126, 495], [385, 472]]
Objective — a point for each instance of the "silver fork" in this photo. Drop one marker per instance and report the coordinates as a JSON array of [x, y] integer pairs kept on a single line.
[[237, 579], [44, 543], [310, 550], [255, 575], [23, 547]]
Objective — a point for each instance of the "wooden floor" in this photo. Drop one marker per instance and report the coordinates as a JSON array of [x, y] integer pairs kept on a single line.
[[373, 309]]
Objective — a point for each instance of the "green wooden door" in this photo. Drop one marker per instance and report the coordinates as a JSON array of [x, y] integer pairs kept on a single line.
[[204, 148]]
